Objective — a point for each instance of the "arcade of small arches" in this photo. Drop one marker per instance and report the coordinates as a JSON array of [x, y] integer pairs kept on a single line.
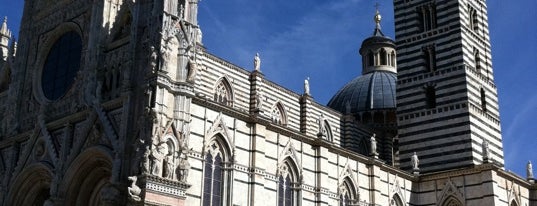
[[87, 182], [382, 57], [381, 117]]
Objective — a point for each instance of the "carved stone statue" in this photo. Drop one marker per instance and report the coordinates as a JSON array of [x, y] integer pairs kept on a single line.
[[169, 54], [322, 128], [486, 151], [192, 70], [529, 170], [415, 162], [153, 59], [133, 189], [258, 100], [374, 144], [307, 86], [168, 166], [183, 169], [157, 155], [145, 163], [257, 62]]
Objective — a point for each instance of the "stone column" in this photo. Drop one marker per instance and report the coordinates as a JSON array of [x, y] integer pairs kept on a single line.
[[258, 193], [323, 179]]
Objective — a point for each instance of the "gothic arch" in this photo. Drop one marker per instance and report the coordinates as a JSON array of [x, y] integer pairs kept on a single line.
[[87, 176], [396, 192], [347, 188], [219, 133], [217, 176], [223, 92], [513, 195], [289, 181], [396, 200], [278, 115], [31, 186], [451, 201], [289, 154], [451, 196]]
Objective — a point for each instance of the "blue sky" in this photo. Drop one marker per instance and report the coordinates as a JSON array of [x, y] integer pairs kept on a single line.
[[320, 39]]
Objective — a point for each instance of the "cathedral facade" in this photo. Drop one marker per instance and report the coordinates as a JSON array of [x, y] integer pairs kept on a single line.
[[117, 102]]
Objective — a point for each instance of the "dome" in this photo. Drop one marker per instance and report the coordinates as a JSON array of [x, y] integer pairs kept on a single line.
[[372, 91]]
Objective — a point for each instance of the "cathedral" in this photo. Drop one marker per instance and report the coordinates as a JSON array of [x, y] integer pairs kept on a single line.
[[117, 102]]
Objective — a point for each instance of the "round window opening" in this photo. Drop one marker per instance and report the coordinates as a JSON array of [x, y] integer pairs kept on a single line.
[[61, 65]]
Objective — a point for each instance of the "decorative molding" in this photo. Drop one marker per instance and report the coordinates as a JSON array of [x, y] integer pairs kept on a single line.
[[450, 191]]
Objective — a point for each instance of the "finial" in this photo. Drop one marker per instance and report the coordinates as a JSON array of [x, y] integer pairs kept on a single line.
[[4, 23], [378, 17]]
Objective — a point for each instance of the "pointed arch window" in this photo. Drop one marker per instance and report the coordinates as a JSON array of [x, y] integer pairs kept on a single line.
[[347, 193], [278, 115], [223, 93], [328, 131], [473, 18], [427, 17], [215, 178], [288, 185], [452, 201], [396, 201]]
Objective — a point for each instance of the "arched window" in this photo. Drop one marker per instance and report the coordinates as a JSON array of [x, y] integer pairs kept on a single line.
[[215, 177], [328, 131], [452, 201], [223, 93], [396, 201], [474, 22], [288, 185], [370, 58], [513, 203], [392, 59], [427, 17], [278, 115], [347, 193], [383, 57]]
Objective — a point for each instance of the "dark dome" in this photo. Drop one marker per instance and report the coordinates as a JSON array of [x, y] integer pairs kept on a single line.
[[372, 91], [378, 40]]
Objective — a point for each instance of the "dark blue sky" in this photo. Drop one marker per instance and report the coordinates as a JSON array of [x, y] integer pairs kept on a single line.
[[320, 39]]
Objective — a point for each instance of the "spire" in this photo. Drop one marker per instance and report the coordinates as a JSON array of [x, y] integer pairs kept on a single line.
[[377, 19], [5, 36]]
